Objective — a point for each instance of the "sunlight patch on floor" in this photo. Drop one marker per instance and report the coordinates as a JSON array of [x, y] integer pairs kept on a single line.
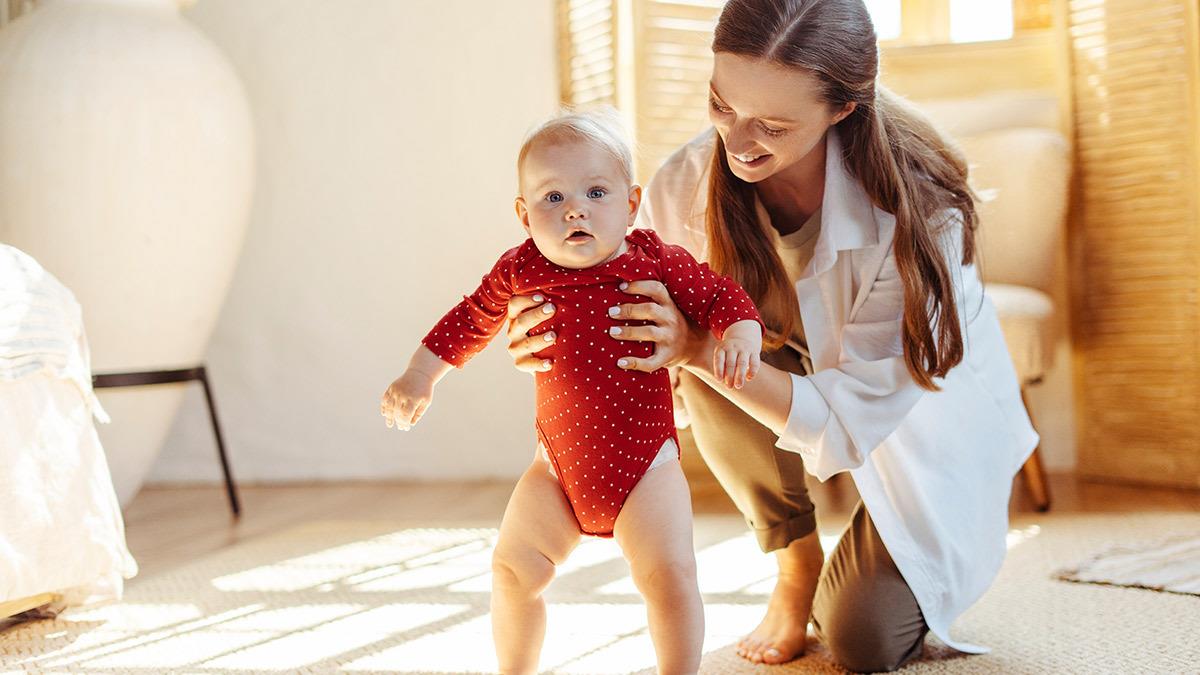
[[293, 644], [403, 601], [571, 631], [140, 643], [1020, 535]]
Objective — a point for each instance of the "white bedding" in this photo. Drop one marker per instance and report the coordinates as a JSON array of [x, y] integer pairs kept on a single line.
[[61, 529]]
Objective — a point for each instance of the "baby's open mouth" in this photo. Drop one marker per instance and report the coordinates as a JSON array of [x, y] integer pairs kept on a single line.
[[580, 236]]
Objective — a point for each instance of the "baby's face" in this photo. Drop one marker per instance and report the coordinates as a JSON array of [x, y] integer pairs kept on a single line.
[[575, 203]]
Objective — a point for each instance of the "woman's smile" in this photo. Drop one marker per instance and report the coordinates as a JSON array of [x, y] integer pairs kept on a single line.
[[750, 160]]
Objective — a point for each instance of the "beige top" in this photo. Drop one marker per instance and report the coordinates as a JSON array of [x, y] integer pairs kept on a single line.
[[795, 250]]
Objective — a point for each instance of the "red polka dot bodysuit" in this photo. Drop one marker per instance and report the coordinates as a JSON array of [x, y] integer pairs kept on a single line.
[[601, 425]]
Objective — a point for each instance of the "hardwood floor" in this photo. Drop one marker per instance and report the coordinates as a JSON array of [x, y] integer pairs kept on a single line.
[[169, 526]]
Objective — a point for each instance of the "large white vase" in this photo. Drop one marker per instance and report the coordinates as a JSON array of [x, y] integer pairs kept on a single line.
[[126, 169]]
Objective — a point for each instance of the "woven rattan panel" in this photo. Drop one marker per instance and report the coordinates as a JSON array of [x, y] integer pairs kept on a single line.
[[587, 52], [1135, 242]]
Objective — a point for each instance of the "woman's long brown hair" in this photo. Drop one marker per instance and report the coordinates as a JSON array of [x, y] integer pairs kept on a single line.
[[906, 167]]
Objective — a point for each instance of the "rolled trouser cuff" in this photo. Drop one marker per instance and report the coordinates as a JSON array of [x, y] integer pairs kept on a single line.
[[775, 537]]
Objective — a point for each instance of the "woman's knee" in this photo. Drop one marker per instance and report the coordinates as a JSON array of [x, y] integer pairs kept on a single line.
[[867, 643], [527, 571]]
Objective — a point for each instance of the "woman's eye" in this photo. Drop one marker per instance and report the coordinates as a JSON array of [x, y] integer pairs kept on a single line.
[[771, 131], [597, 193], [718, 107], [554, 197]]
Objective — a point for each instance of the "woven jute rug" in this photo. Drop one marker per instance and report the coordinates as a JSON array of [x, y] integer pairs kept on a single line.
[[375, 597]]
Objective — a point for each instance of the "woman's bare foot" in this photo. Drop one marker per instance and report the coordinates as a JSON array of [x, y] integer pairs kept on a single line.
[[782, 634]]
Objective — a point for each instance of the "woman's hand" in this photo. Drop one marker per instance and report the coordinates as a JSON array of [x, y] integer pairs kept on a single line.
[[671, 334], [525, 312]]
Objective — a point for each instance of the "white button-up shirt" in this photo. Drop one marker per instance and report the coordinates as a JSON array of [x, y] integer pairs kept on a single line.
[[934, 469]]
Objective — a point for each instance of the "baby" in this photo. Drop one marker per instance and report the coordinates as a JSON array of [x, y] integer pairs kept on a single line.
[[607, 461]]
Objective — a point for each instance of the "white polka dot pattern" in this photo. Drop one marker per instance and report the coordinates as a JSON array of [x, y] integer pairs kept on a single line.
[[602, 424]]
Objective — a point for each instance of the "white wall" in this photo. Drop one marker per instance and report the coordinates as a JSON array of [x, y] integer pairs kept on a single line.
[[387, 133]]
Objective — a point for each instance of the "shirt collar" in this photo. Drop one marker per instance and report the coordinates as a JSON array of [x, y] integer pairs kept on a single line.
[[847, 214]]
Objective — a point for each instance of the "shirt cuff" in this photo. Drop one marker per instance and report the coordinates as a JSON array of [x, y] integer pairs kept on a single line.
[[807, 418]]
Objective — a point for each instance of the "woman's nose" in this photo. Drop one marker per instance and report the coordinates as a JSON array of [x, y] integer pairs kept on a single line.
[[738, 139]]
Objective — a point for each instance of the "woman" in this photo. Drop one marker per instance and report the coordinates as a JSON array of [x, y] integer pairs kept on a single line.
[[849, 220]]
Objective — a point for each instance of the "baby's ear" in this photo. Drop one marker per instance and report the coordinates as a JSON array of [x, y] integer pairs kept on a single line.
[[522, 212], [635, 202]]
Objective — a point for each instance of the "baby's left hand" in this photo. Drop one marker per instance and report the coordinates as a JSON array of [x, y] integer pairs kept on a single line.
[[736, 360]]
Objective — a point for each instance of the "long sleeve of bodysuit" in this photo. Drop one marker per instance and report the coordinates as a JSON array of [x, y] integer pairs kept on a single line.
[[713, 301], [467, 328]]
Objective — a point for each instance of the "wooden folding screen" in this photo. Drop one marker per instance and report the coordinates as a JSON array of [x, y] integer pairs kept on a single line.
[[1136, 241]]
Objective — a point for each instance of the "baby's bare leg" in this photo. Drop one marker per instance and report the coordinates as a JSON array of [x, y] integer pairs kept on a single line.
[[537, 533], [654, 530]]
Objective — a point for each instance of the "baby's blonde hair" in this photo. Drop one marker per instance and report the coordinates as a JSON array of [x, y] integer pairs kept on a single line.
[[600, 126]]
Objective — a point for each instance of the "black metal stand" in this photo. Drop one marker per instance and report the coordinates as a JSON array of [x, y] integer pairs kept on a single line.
[[173, 376]]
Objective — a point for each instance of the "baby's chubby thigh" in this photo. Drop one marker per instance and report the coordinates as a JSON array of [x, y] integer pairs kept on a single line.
[[654, 530], [537, 533]]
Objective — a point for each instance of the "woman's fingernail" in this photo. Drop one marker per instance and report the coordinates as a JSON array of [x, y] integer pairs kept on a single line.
[[613, 311], [546, 365], [548, 337], [615, 330], [538, 298], [623, 285], [547, 309], [622, 362]]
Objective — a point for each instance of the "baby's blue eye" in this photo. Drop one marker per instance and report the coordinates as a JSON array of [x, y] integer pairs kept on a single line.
[[597, 193], [554, 197]]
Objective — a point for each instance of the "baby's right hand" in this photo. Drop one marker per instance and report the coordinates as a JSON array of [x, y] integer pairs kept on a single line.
[[407, 399]]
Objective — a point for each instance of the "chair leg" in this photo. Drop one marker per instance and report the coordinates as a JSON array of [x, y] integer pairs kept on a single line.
[[1033, 473], [230, 488]]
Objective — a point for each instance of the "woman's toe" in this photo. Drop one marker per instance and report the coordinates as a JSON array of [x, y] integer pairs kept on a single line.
[[773, 656], [746, 648]]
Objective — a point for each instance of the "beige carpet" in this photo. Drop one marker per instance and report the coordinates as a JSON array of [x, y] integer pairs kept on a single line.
[[364, 597], [1172, 566]]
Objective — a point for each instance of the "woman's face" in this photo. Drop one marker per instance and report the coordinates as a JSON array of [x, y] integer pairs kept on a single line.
[[769, 116]]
